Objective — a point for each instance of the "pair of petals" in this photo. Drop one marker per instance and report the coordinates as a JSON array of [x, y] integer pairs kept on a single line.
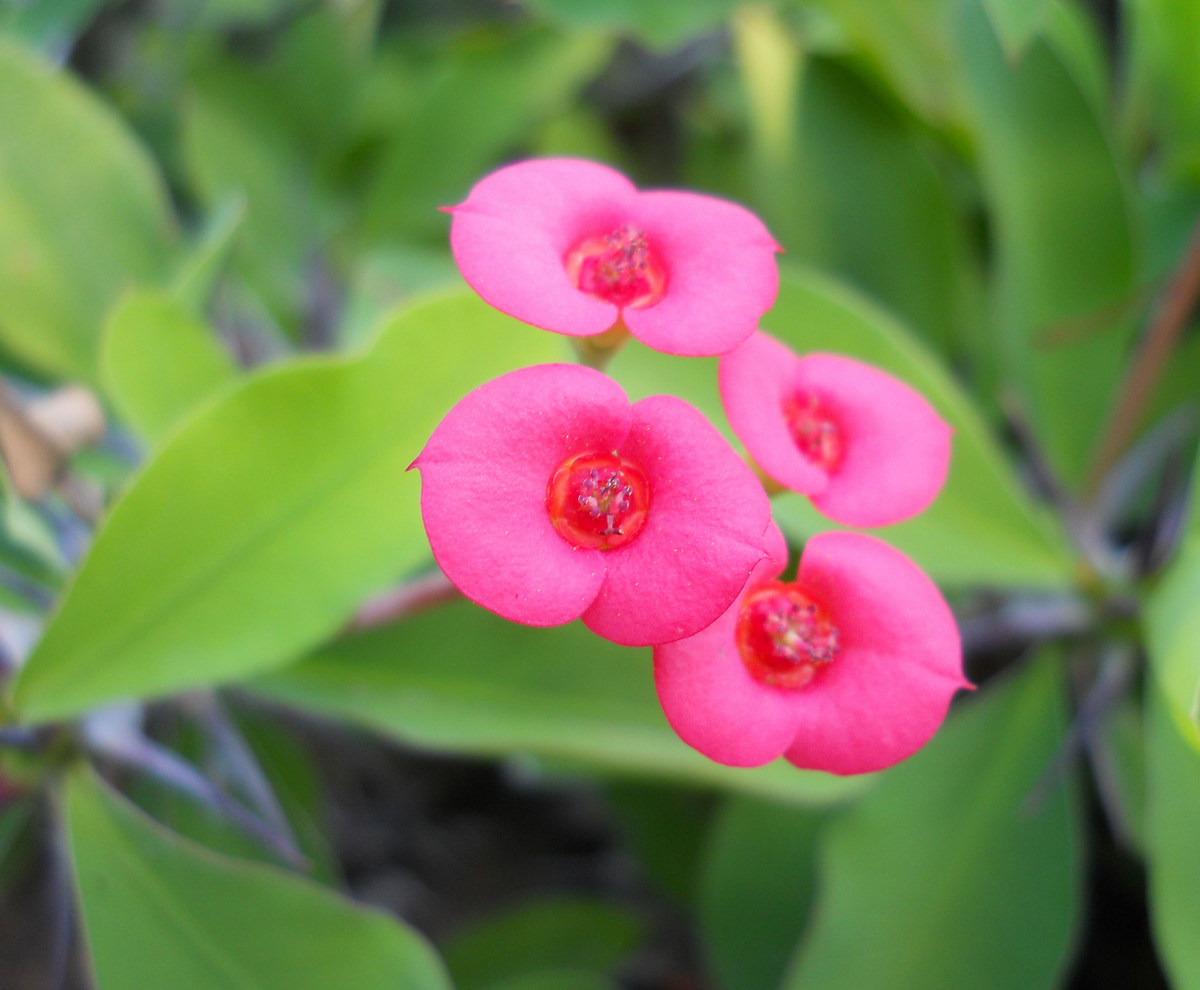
[[484, 478], [881, 698], [895, 447], [513, 233]]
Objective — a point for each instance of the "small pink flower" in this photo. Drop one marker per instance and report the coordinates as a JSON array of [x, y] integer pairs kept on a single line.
[[848, 669], [573, 247], [548, 497], [865, 447]]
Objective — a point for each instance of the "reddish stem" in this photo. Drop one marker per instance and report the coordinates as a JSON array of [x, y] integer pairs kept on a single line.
[[1138, 387]]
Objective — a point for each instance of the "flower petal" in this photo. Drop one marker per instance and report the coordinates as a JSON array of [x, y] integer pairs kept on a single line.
[[713, 702], [484, 474], [756, 379], [704, 530], [511, 235], [888, 690], [896, 448], [721, 273]]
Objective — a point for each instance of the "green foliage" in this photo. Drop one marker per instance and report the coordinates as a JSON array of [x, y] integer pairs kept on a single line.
[[460, 679], [1173, 639], [974, 839], [1173, 808], [982, 507], [1017, 22], [1064, 235], [549, 934], [658, 24], [756, 887], [83, 213], [200, 921], [264, 522], [158, 361]]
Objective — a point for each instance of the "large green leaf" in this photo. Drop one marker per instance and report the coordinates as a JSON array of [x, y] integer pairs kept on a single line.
[[158, 360], [264, 521], [962, 868], [982, 529], [756, 886], [547, 934], [1173, 809], [879, 212], [1064, 243], [83, 213], [458, 678], [1173, 638], [160, 911]]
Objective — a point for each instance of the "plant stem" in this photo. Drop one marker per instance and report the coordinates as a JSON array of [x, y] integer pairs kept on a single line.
[[1138, 387]]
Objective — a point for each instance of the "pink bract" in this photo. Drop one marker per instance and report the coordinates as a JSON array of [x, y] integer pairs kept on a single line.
[[881, 698], [487, 475], [868, 449], [573, 247]]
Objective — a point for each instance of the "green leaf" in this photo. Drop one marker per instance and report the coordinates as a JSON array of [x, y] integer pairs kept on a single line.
[[158, 361], [1064, 242], [1016, 22], [557, 979], [982, 529], [460, 679], [548, 934], [1173, 638], [269, 516], [664, 24], [50, 26], [875, 199], [481, 103], [202, 269], [160, 911], [1165, 71], [962, 868], [756, 886], [1173, 809], [83, 213], [908, 44]]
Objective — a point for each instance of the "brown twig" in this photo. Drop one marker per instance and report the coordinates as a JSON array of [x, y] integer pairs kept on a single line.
[[1138, 387], [412, 596]]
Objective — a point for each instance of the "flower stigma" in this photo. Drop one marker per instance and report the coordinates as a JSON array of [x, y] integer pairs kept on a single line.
[[619, 267], [598, 501], [784, 636]]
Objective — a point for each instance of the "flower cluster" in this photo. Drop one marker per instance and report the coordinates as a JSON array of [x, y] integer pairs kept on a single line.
[[548, 496]]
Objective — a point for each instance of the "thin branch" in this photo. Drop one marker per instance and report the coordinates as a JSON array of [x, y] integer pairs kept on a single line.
[[409, 598], [1138, 387]]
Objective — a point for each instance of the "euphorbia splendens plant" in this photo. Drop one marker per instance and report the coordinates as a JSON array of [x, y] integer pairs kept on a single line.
[[865, 447], [850, 668], [574, 247], [548, 496]]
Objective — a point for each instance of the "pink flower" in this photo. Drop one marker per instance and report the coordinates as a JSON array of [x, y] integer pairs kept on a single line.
[[573, 247], [548, 497], [848, 669], [865, 447]]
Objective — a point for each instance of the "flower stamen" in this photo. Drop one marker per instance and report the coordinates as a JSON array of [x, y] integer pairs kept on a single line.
[[597, 501], [619, 267], [784, 636]]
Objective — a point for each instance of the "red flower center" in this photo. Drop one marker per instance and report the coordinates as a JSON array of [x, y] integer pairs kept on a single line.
[[598, 501], [814, 429], [619, 267], [784, 636]]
